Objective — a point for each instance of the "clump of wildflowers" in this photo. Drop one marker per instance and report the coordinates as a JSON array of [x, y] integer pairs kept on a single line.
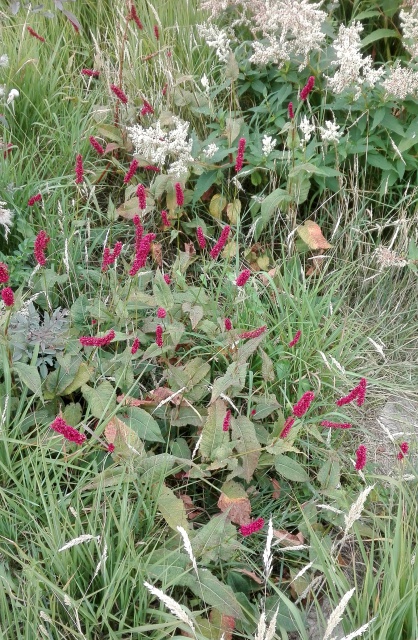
[[358, 394], [60, 426], [41, 243], [91, 341], [252, 527], [216, 250]]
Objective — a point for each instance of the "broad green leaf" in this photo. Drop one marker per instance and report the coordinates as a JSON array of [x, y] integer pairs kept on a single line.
[[379, 34], [212, 435], [162, 292], [232, 382], [110, 478], [142, 423], [376, 160], [299, 188], [195, 371], [290, 469], [172, 509], [73, 413], [216, 540], [29, 376], [267, 367], [329, 474], [213, 592], [101, 399], [247, 445], [204, 182], [232, 129], [81, 377], [248, 348]]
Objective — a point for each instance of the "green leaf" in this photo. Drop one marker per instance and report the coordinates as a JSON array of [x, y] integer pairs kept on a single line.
[[101, 399], [329, 474], [172, 509], [248, 348], [377, 160], [269, 206], [216, 540], [29, 376], [232, 382], [82, 376], [213, 592], [142, 423], [73, 413], [379, 34], [110, 132], [162, 292], [299, 188], [204, 182], [212, 435], [247, 445], [290, 469]]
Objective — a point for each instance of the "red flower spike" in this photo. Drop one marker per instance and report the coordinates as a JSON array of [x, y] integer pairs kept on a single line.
[[290, 421], [41, 243], [179, 194], [79, 170], [91, 73], [134, 16], [358, 394], [243, 278], [361, 456], [119, 94], [142, 251], [34, 34], [167, 278], [142, 196], [96, 145], [156, 32], [4, 273], [228, 324], [91, 341], [161, 312], [8, 297], [201, 240], [248, 529], [151, 167], [307, 88], [164, 218], [159, 336], [253, 334], [135, 346], [302, 406], [221, 242], [111, 447], [240, 155], [146, 109], [60, 426], [336, 425], [227, 421], [109, 258], [295, 339], [290, 111], [404, 448], [34, 199], [131, 171]]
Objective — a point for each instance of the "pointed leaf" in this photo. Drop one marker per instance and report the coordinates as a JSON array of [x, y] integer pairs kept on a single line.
[[232, 382], [101, 400], [290, 469], [247, 445], [212, 435], [311, 234], [172, 509], [142, 423], [213, 592], [29, 377]]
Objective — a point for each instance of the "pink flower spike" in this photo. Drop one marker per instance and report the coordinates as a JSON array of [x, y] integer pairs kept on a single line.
[[91, 73], [240, 155], [79, 171], [227, 421], [290, 111], [146, 109], [216, 250], [361, 456], [201, 240], [243, 278], [159, 336], [295, 339], [156, 32], [41, 243], [135, 346], [142, 196], [302, 406], [142, 249], [358, 393], [134, 16], [111, 447], [109, 258], [248, 529], [8, 297], [131, 171], [34, 199], [164, 218], [34, 34], [179, 194], [4, 273], [335, 425], [253, 334], [96, 145], [290, 421], [60, 426], [119, 94], [161, 312], [167, 278], [90, 341], [307, 88], [404, 448], [228, 324]]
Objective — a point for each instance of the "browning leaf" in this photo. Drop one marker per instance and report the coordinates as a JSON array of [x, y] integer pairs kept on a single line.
[[311, 234], [235, 499]]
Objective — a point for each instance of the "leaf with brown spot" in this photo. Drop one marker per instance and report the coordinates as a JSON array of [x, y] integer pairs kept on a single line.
[[233, 210], [127, 443], [225, 624], [311, 234], [234, 499]]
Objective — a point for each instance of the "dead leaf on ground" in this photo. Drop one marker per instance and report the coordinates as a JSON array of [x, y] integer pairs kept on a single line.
[[288, 539], [191, 510], [236, 503], [157, 253], [276, 489], [311, 234]]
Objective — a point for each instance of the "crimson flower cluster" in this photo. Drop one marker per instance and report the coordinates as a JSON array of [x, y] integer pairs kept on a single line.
[[110, 257], [132, 15], [161, 312], [79, 170], [146, 109], [164, 218], [302, 406], [201, 240], [255, 333], [240, 155], [358, 394], [91, 73], [179, 194], [4, 273], [60, 426], [131, 171], [243, 278], [252, 527], [228, 324], [295, 339], [96, 145], [335, 425], [33, 199], [34, 34], [289, 422], [361, 457], [404, 448], [290, 110], [91, 341], [135, 346], [216, 250], [159, 336], [119, 94], [156, 32], [142, 250], [307, 88], [142, 196], [8, 297], [227, 421], [41, 243]]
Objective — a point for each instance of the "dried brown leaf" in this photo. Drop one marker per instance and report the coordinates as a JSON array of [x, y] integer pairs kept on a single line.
[[311, 234], [289, 539]]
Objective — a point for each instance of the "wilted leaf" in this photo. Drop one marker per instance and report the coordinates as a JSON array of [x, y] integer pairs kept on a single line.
[[191, 510], [247, 445], [233, 210], [232, 129], [172, 509], [217, 205], [311, 234], [250, 574], [222, 623], [234, 499]]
